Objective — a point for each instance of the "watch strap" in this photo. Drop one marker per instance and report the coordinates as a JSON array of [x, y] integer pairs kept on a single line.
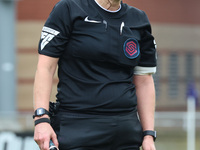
[[150, 132]]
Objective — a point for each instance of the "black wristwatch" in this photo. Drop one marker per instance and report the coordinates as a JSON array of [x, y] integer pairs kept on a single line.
[[40, 112], [150, 132]]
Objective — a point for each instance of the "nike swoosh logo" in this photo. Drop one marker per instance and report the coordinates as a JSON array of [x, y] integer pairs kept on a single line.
[[92, 21]]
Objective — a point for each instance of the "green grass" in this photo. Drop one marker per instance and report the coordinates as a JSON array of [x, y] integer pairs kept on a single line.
[[174, 139]]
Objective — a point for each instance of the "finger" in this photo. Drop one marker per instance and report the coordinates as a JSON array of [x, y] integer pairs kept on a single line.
[[39, 142], [46, 144], [55, 140]]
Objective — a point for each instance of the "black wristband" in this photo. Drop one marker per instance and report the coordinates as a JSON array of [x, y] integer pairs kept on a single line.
[[41, 120], [150, 132]]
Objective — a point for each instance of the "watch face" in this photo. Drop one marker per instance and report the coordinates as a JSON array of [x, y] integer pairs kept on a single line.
[[40, 111]]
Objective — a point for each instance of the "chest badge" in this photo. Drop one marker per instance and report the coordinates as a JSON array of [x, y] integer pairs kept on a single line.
[[131, 48]]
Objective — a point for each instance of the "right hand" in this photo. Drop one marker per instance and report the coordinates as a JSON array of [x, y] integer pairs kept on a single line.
[[42, 135]]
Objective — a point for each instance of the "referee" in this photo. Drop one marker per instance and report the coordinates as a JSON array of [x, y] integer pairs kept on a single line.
[[106, 56]]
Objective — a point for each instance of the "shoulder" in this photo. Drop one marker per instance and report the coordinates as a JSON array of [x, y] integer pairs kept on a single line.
[[133, 9], [66, 7], [72, 6], [136, 15]]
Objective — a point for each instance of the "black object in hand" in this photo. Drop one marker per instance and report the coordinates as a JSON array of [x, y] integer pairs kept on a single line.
[[52, 146]]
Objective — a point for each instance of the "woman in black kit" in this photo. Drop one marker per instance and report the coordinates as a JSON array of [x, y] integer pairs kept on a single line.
[[106, 56]]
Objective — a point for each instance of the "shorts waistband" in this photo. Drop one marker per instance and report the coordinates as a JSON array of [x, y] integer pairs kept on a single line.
[[96, 113]]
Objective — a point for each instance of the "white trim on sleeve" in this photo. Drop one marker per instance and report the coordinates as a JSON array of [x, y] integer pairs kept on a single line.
[[138, 70]]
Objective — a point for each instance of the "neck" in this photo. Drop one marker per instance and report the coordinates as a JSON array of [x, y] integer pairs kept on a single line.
[[111, 5]]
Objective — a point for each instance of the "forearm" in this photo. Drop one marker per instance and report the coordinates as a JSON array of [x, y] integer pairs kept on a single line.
[[146, 100], [42, 88]]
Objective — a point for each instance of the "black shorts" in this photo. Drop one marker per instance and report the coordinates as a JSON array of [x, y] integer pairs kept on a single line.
[[98, 132]]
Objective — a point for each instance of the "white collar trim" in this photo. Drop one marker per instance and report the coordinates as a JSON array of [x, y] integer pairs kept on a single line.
[[108, 10]]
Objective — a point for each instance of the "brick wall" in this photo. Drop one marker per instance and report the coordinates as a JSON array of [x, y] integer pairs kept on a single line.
[[34, 9], [170, 11]]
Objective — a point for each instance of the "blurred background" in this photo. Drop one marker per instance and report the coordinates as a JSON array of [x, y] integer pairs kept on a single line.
[[176, 28]]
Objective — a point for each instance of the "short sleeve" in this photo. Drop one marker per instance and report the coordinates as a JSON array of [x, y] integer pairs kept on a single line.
[[56, 31], [148, 60]]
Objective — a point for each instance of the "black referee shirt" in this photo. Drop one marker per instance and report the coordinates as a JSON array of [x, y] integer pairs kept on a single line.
[[98, 51]]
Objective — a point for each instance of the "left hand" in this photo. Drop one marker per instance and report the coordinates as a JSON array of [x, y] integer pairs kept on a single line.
[[148, 143]]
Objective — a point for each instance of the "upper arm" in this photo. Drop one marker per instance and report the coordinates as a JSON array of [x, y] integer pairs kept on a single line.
[[148, 59], [143, 80]]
